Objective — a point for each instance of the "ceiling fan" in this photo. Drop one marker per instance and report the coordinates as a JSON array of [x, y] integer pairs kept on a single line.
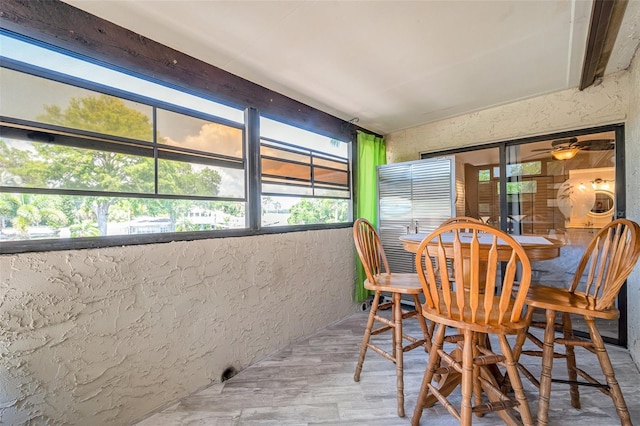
[[566, 149]]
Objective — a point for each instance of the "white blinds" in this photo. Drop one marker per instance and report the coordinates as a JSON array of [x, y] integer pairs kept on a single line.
[[421, 191]]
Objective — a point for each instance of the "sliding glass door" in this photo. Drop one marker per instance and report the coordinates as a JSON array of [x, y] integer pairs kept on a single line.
[[563, 186]]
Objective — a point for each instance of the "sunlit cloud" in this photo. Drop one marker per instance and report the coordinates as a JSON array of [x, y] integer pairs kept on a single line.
[[214, 138]]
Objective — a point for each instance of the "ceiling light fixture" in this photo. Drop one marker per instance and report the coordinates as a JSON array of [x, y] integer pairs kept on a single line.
[[565, 154]]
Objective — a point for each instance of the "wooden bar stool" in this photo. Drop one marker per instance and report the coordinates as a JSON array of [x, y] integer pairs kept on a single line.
[[458, 219], [480, 302], [373, 259], [603, 269]]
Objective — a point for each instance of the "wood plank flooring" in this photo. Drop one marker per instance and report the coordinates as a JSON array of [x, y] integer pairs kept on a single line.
[[311, 383]]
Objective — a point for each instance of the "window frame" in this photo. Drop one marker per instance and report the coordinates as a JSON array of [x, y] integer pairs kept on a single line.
[[251, 154]]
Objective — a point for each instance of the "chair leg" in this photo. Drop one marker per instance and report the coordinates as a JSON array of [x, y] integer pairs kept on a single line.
[[481, 340], [515, 381], [428, 334], [433, 364], [607, 369], [547, 365], [572, 372], [522, 337], [367, 335], [398, 352], [467, 378]]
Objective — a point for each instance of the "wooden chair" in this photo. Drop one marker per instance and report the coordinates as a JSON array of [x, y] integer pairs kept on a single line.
[[607, 262], [458, 219], [476, 315], [381, 281]]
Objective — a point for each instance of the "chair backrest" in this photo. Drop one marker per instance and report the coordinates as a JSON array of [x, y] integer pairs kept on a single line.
[[608, 261], [461, 219], [369, 249], [457, 219], [476, 256]]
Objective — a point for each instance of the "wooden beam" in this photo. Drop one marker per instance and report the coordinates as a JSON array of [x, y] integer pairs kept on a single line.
[[606, 19], [64, 26]]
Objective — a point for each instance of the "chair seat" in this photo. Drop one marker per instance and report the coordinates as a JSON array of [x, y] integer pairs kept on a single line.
[[396, 283], [492, 326], [562, 300]]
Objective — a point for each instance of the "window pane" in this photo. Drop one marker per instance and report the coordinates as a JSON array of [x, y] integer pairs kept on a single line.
[[182, 131], [319, 210], [283, 161], [296, 164], [565, 205], [283, 211], [284, 154], [44, 165], [274, 189], [181, 178], [326, 192], [523, 187], [27, 97], [286, 170], [27, 216], [331, 176], [528, 168], [334, 164], [303, 138], [78, 68]]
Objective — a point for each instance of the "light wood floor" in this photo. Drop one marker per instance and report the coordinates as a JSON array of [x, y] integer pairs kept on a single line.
[[311, 383]]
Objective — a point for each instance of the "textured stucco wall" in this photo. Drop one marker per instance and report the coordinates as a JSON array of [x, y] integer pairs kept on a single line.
[[632, 136], [104, 336], [616, 100], [566, 110]]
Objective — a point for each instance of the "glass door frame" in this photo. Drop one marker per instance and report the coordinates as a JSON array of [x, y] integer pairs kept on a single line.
[[619, 193]]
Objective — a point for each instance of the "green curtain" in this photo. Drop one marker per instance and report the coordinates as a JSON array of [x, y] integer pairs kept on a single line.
[[372, 152]]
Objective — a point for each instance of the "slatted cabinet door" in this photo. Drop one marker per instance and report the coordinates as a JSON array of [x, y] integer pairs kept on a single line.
[[422, 191]]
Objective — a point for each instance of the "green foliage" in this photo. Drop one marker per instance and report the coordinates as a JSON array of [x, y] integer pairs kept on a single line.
[[230, 208], [484, 175], [186, 225], [14, 166], [309, 211], [176, 177], [86, 228], [207, 182], [59, 166], [53, 217], [101, 114], [27, 210]]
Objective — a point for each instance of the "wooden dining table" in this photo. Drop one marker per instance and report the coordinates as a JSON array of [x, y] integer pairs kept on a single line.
[[537, 247]]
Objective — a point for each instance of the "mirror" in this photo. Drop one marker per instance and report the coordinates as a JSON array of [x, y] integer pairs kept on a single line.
[[603, 205]]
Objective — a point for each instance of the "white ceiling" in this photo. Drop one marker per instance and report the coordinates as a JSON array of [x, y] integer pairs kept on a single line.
[[390, 64]]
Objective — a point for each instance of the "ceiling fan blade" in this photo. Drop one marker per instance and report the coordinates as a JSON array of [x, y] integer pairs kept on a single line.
[[565, 141], [596, 145]]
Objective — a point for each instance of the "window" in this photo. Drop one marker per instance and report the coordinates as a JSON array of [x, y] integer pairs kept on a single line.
[[484, 175], [88, 151], [126, 167], [520, 187], [306, 177]]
